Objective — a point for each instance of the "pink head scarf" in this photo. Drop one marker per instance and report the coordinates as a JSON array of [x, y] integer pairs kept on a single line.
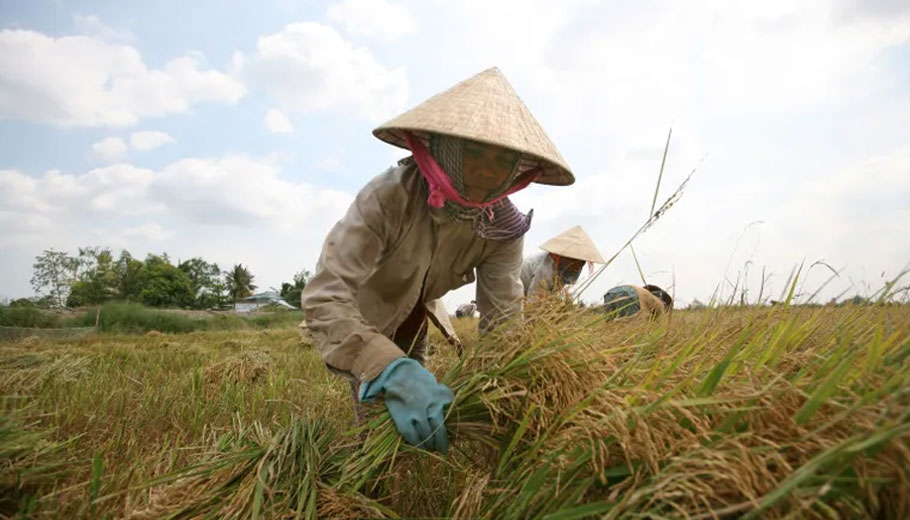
[[440, 184]]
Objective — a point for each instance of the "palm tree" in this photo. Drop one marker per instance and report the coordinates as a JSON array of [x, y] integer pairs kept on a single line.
[[239, 282]]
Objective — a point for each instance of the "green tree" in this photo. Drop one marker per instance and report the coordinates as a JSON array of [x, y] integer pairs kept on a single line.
[[164, 285], [206, 278], [239, 282], [127, 272], [81, 293], [290, 291], [97, 278], [54, 273]]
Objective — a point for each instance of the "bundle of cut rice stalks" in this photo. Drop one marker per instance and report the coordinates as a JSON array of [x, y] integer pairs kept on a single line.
[[253, 473]]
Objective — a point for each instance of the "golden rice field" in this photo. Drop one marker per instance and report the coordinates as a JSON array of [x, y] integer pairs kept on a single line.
[[717, 413]]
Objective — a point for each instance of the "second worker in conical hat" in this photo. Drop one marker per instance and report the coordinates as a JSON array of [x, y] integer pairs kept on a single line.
[[561, 262], [439, 220]]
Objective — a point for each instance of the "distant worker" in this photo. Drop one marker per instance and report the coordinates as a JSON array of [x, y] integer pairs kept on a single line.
[[561, 262], [630, 300], [466, 310]]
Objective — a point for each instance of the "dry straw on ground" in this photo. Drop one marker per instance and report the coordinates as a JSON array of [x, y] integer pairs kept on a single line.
[[245, 367]]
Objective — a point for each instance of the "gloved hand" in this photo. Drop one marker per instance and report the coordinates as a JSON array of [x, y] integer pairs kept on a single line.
[[415, 401]]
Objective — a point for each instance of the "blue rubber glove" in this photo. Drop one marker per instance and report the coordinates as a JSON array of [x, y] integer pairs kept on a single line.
[[415, 401]]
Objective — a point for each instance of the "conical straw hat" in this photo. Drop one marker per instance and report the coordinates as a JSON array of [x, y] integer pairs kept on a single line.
[[574, 243], [483, 108]]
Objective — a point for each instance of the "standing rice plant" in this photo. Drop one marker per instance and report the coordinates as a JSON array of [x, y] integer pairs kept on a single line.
[[561, 416], [29, 462], [736, 441]]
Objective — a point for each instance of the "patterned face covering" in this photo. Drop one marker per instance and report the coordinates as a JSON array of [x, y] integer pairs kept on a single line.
[[503, 220], [568, 269]]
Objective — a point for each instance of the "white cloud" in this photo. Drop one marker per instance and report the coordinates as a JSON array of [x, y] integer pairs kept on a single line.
[[230, 209], [109, 149], [377, 19], [150, 231], [108, 192], [277, 123], [778, 93], [866, 204], [849, 218], [150, 139], [231, 191], [733, 57], [329, 164], [84, 81], [871, 8], [240, 191], [308, 67], [610, 73], [91, 25]]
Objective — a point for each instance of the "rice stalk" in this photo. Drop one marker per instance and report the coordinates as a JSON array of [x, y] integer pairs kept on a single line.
[[762, 418], [254, 473], [29, 461]]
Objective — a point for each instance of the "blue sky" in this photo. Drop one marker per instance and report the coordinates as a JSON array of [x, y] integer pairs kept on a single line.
[[143, 125]]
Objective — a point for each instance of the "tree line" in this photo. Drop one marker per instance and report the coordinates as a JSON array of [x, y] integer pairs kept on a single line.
[[94, 276]]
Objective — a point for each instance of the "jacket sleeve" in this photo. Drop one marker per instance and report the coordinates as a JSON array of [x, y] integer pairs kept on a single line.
[[499, 288], [348, 344], [542, 276]]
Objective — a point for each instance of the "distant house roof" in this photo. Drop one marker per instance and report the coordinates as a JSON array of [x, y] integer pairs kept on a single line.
[[282, 303], [266, 297]]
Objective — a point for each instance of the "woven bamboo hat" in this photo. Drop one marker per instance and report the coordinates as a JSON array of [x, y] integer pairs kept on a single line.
[[483, 108], [574, 243]]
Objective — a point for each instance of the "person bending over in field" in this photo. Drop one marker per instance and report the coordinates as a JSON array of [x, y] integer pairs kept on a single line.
[[630, 300], [466, 310], [560, 264], [422, 229]]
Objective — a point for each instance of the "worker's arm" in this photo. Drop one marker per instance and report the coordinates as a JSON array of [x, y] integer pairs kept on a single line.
[[348, 343], [542, 276], [499, 288]]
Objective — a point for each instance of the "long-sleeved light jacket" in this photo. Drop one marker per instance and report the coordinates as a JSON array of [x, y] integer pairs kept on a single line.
[[539, 273], [390, 252]]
